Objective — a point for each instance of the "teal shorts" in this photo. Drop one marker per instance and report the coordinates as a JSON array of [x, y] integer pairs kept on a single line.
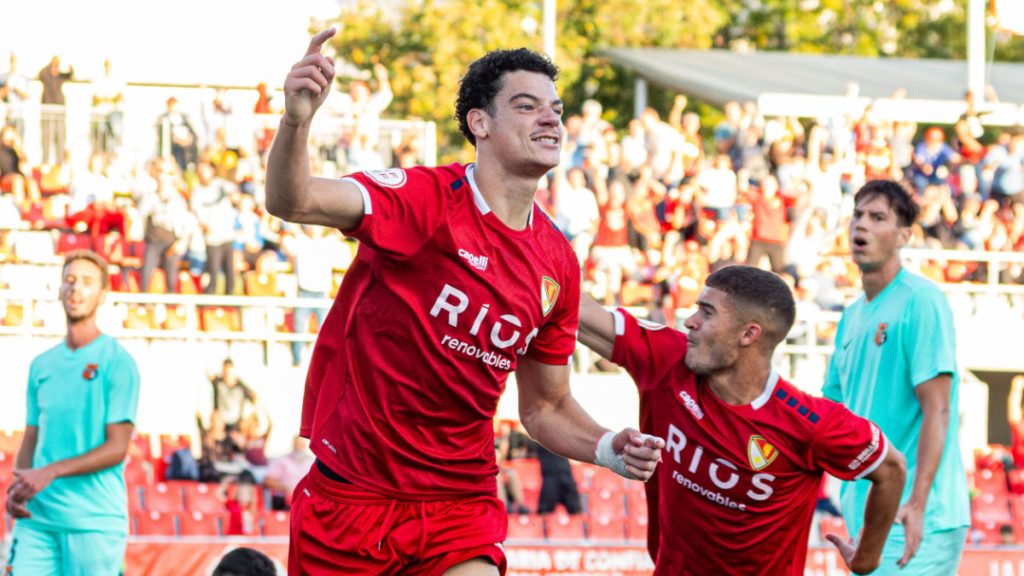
[[36, 552], [938, 555]]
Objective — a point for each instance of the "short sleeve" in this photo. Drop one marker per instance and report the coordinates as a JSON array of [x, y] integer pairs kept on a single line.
[[646, 349], [401, 208], [930, 344], [122, 389], [31, 398], [849, 447]]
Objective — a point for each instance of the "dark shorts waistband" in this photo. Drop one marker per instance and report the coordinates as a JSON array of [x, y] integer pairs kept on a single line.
[[330, 474]]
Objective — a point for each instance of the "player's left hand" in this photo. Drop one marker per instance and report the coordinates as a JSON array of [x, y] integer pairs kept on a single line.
[[639, 452], [848, 550], [911, 516], [31, 481]]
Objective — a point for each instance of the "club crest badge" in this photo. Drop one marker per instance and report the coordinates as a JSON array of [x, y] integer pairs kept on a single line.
[[389, 178], [760, 452], [548, 294], [880, 335], [90, 372]]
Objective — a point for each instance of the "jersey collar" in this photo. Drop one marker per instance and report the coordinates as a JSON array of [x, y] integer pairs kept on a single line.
[[478, 198], [769, 388]]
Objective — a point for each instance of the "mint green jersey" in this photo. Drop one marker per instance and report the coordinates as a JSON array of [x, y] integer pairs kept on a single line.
[[884, 349], [72, 396]]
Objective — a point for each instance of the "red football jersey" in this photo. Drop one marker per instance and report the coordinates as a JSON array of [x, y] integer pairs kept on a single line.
[[738, 484], [439, 303]]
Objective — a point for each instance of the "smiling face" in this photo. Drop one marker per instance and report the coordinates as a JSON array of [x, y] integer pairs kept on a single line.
[[876, 234], [713, 337], [522, 127], [82, 290]]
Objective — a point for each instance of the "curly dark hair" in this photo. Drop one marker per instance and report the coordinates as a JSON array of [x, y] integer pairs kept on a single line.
[[757, 295], [486, 76], [895, 194]]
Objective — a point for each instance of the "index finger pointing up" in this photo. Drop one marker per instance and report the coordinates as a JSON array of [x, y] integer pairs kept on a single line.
[[318, 41]]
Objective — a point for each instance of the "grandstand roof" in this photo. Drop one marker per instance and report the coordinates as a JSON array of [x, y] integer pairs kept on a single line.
[[718, 76]]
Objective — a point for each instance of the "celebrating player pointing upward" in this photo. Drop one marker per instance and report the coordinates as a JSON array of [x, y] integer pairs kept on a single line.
[[458, 281]]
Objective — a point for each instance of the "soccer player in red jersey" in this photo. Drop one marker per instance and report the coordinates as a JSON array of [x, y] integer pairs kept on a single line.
[[459, 280], [744, 449]]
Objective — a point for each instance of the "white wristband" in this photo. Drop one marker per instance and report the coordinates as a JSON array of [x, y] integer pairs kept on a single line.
[[605, 456]]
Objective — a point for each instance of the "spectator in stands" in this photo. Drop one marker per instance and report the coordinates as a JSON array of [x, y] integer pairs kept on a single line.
[[365, 107], [107, 116], [510, 485], [245, 562], [14, 176], [576, 212], [175, 135], [315, 253], [557, 483], [218, 118], [232, 399], [212, 202], [770, 226], [933, 159], [249, 242], [14, 92], [612, 257], [239, 496], [166, 215], [67, 496], [285, 472], [1016, 419], [52, 77]]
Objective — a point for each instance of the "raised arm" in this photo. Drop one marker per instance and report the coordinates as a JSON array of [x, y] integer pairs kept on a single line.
[[292, 193], [597, 327], [554, 418]]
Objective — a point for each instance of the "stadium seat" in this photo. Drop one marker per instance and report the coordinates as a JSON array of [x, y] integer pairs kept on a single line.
[[221, 319], [163, 497], [274, 523], [991, 481], [70, 241], [10, 441], [606, 528], [986, 533], [154, 523], [525, 527], [157, 282], [636, 527], [562, 527], [196, 523], [605, 482], [1015, 480], [610, 507], [528, 470], [140, 317], [202, 497], [833, 525], [178, 318], [188, 284], [13, 315], [261, 284], [636, 502], [986, 508], [135, 472]]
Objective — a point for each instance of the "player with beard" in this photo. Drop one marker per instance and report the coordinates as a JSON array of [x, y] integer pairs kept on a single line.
[[68, 495], [745, 449], [460, 280]]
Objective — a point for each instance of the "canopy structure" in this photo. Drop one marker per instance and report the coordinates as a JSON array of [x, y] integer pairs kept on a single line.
[[813, 85]]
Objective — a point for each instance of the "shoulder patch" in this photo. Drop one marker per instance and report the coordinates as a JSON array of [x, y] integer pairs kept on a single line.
[[389, 178]]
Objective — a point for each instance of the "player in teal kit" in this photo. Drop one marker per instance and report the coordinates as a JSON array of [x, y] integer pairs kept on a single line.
[[68, 495], [895, 364]]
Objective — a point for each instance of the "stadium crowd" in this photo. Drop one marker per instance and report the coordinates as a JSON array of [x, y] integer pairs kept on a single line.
[[651, 211]]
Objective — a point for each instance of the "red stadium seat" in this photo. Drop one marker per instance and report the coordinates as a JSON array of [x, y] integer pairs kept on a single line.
[[636, 502], [605, 482], [987, 533], [10, 441], [528, 470], [275, 523], [525, 527], [991, 481], [202, 497], [221, 319], [606, 528], [163, 497], [565, 527], [611, 507], [636, 527], [833, 525], [990, 508], [154, 523], [69, 242], [196, 523]]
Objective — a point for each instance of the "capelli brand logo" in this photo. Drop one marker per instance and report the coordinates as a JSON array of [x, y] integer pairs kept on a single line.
[[478, 262]]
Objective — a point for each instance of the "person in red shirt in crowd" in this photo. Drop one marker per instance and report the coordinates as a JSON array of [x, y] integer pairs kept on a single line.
[[1016, 420], [459, 280], [770, 226], [745, 450]]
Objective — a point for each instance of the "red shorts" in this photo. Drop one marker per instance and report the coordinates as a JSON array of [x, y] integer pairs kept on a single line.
[[339, 528]]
